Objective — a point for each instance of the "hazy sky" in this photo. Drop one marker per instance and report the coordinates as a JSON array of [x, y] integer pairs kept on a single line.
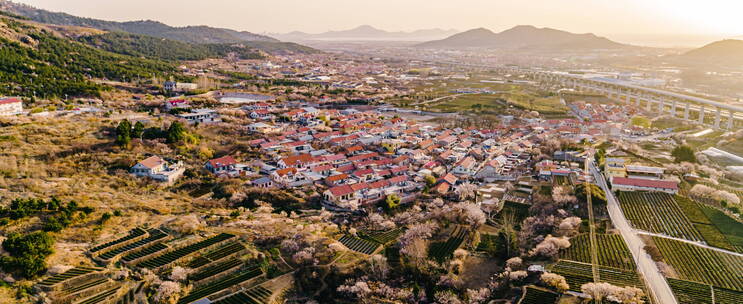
[[604, 17]]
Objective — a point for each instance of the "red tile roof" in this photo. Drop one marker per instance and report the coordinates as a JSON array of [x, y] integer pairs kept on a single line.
[[298, 159], [152, 162], [222, 162], [9, 100], [639, 182], [341, 190]]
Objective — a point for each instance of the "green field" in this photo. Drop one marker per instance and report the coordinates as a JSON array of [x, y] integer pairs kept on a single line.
[[578, 274], [487, 103], [535, 295], [699, 264], [730, 228], [657, 213], [611, 249]]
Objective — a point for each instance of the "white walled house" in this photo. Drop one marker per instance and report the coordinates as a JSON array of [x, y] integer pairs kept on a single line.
[[10, 106], [158, 169]]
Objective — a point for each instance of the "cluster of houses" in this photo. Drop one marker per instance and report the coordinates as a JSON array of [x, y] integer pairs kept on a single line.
[[626, 177]]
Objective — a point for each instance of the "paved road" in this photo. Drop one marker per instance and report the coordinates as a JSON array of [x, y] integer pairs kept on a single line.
[[654, 279]]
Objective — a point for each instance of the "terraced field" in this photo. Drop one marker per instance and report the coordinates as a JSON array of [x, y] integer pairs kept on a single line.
[[442, 251], [215, 255], [382, 237], [694, 263], [255, 295], [183, 251], [155, 235], [657, 213], [145, 252], [221, 284], [612, 251], [215, 269], [132, 234], [359, 245], [103, 296], [69, 274]]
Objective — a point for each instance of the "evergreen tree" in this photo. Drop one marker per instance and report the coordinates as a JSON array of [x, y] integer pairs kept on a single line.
[[684, 154], [138, 131], [176, 133], [124, 133]]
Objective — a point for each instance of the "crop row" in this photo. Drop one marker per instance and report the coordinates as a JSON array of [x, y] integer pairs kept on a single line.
[[611, 251], [383, 237], [700, 264], [215, 270], [216, 254], [184, 251], [255, 295], [144, 252], [359, 245], [132, 234], [221, 285], [155, 235], [74, 272], [537, 296], [129, 295], [86, 285], [441, 251], [578, 274], [101, 296], [688, 292], [657, 213]]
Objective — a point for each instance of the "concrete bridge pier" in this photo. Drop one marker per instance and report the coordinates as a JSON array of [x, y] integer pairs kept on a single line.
[[686, 111], [673, 108], [701, 114], [649, 105], [661, 105], [717, 117], [730, 119]]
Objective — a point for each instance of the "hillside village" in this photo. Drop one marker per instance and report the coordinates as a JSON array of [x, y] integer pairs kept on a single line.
[[257, 171]]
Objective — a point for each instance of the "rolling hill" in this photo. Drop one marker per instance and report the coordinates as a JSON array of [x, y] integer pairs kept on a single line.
[[366, 32], [191, 34], [36, 60], [524, 37], [724, 52]]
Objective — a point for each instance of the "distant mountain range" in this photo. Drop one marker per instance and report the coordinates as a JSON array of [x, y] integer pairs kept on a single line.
[[190, 34], [724, 52], [524, 36], [368, 33]]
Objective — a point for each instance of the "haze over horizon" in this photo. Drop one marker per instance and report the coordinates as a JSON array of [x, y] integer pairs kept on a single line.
[[653, 22]]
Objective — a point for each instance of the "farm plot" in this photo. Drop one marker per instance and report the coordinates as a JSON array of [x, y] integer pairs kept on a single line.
[[358, 245], [729, 227], [172, 256], [215, 269], [688, 292], [612, 251], [69, 274], [101, 297], [216, 255], [382, 237], [578, 274], [560, 180], [255, 295], [534, 295], [699, 264], [128, 297], [155, 235], [132, 234], [221, 284], [657, 213], [145, 252], [442, 251]]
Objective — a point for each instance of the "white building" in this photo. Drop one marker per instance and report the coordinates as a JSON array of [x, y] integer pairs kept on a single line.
[[10, 106], [158, 169]]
